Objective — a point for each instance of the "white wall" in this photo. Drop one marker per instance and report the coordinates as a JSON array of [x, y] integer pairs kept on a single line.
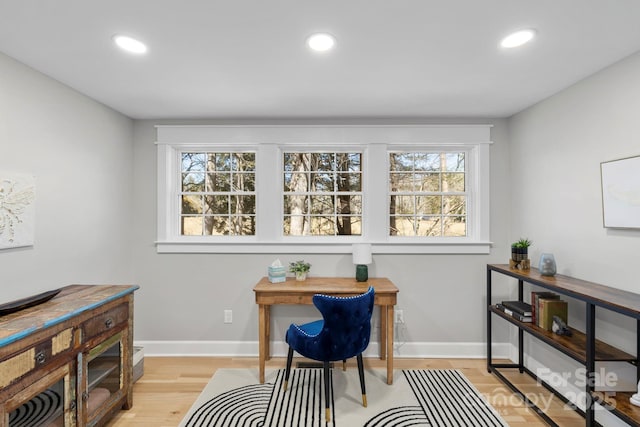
[[80, 153], [96, 219], [556, 148], [183, 296], [95, 223]]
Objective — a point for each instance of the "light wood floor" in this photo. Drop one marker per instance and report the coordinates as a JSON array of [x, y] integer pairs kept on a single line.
[[170, 386]]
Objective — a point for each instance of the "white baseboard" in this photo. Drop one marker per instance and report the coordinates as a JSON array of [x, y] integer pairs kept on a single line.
[[467, 350]]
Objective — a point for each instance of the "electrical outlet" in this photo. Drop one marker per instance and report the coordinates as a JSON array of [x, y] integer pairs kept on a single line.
[[228, 316], [399, 316]]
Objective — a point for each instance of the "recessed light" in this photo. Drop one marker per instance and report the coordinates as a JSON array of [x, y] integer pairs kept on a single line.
[[321, 42], [130, 44], [518, 38]]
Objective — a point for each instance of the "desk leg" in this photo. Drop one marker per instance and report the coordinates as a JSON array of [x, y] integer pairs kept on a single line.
[[389, 344], [262, 337], [267, 316], [383, 332]]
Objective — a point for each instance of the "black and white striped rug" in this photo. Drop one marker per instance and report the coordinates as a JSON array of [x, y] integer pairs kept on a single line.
[[436, 398], [39, 411]]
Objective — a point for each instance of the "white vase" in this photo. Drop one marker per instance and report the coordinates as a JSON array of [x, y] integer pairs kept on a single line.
[[301, 275]]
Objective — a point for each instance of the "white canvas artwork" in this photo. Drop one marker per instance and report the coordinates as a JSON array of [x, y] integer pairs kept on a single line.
[[17, 210], [621, 192]]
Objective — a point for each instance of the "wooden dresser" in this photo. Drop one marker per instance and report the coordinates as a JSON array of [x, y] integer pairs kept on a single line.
[[68, 361]]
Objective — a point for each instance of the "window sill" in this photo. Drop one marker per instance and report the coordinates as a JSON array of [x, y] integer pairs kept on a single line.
[[439, 247]]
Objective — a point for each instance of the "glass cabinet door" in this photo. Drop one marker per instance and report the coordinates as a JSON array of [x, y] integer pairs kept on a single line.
[[51, 402], [104, 377]]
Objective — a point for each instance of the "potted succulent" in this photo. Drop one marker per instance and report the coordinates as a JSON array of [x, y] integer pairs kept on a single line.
[[300, 268], [520, 249]]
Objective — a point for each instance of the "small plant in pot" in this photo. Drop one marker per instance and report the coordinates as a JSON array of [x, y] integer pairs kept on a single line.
[[300, 268], [520, 249]]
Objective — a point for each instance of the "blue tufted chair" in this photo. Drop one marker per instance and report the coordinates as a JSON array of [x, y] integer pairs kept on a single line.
[[343, 332]]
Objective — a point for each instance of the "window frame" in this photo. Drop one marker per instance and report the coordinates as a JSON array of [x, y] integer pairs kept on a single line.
[[232, 192], [440, 193], [324, 149], [374, 142]]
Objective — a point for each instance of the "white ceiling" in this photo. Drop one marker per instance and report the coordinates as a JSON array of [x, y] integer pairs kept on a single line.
[[248, 59]]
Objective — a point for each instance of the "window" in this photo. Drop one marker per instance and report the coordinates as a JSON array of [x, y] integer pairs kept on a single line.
[[322, 194], [218, 194], [427, 194], [320, 189]]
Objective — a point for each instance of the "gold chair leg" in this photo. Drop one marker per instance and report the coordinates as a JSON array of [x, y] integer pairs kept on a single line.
[[284, 385], [327, 415], [364, 400]]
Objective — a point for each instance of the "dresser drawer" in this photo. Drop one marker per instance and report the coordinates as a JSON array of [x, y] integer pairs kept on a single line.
[[33, 358], [105, 322]]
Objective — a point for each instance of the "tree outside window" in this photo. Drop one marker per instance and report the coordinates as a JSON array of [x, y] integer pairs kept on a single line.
[[322, 194], [427, 194], [218, 194]]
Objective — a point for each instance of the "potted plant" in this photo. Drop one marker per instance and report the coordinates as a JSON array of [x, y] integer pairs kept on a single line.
[[300, 268], [520, 249]]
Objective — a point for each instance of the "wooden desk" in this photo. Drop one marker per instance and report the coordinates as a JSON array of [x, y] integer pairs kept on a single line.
[[293, 292]]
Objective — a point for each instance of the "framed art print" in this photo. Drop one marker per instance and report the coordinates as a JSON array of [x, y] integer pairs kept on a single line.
[[17, 197], [621, 193]]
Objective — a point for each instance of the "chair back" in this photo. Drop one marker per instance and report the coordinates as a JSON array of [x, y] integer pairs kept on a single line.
[[347, 325]]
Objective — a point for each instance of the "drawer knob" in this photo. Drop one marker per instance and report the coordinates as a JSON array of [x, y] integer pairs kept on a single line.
[[72, 405], [85, 396], [40, 358], [108, 323]]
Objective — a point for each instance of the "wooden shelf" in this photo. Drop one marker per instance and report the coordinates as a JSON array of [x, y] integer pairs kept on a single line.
[[101, 369], [594, 295], [620, 406], [573, 346], [618, 300]]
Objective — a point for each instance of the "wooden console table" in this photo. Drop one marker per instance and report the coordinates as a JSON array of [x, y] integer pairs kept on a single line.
[[73, 352], [582, 347], [294, 292]]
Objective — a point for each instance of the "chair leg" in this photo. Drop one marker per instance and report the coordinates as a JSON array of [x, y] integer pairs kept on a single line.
[[288, 370], [361, 374], [327, 391], [344, 364]]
